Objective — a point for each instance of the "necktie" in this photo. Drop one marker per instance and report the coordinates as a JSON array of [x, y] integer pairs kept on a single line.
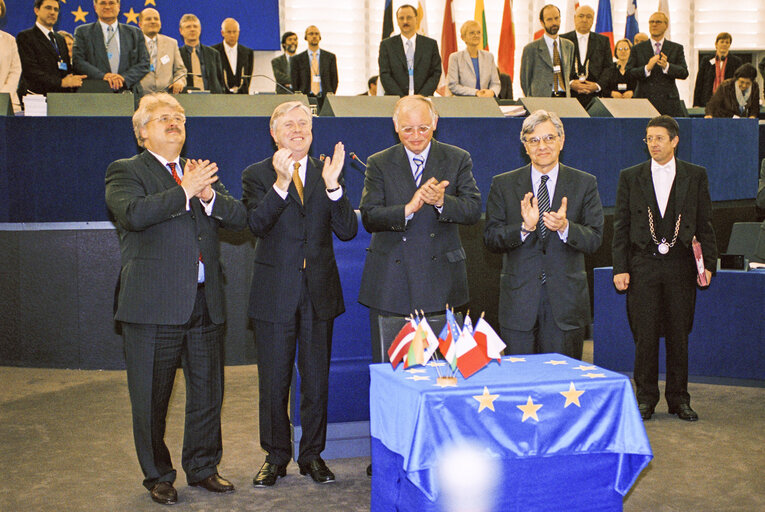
[[153, 54], [658, 48], [112, 50], [719, 74], [297, 181], [557, 76], [196, 71], [410, 65], [53, 41], [315, 76], [543, 201], [419, 162], [177, 178]]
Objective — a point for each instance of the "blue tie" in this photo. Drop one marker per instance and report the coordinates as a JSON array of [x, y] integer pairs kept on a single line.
[[420, 163]]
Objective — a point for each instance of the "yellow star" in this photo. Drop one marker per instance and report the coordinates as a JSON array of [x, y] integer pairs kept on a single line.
[[529, 410], [516, 359], [555, 363], [79, 14], [63, 1], [417, 370], [594, 375], [131, 16], [572, 396], [418, 377], [486, 400], [585, 368], [150, 2]]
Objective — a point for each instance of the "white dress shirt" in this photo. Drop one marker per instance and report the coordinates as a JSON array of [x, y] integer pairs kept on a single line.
[[333, 196], [536, 181], [663, 176]]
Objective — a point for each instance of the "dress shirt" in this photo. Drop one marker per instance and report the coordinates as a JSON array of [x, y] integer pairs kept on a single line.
[[231, 53], [115, 27], [663, 176], [536, 180], [333, 196], [413, 167], [583, 39], [315, 55], [653, 47], [549, 42], [413, 41]]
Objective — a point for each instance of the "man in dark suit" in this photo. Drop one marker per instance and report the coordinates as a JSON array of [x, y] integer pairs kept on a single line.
[[167, 211], [655, 64], [714, 71], [281, 65], [409, 63], [592, 57], [314, 71], [661, 205], [237, 59], [544, 218], [547, 62], [45, 64], [295, 204], [416, 194], [111, 51], [203, 63]]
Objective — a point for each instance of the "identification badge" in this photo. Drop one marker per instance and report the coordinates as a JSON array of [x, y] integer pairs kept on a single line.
[[317, 78], [556, 69], [164, 59], [151, 68], [622, 87], [62, 66]]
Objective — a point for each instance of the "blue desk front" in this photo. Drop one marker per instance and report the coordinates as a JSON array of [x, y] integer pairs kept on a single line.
[[580, 446], [728, 337]]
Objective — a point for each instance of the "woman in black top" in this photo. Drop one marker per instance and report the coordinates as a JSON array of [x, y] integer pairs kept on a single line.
[[620, 83]]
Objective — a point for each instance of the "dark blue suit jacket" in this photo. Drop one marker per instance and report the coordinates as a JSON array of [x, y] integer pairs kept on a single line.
[[659, 87]]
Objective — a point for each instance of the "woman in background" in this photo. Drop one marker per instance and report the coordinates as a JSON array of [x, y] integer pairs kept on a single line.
[[472, 72], [736, 97], [620, 83]]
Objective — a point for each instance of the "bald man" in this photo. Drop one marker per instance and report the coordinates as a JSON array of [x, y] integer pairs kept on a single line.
[[314, 81], [237, 59], [166, 70]]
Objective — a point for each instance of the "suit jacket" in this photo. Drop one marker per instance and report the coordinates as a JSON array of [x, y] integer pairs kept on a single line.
[[39, 62], [723, 102], [705, 78], [461, 76], [523, 262], [301, 72], [282, 73], [420, 263], [89, 54], [10, 68], [659, 87], [635, 193], [290, 233], [394, 76], [169, 66], [240, 76], [537, 67], [213, 68], [598, 62], [160, 242]]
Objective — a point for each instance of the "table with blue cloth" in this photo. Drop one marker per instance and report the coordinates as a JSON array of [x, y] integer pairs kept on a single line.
[[566, 434]]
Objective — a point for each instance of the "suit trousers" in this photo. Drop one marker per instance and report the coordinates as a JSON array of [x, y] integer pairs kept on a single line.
[[277, 344], [153, 354], [546, 336], [661, 299]]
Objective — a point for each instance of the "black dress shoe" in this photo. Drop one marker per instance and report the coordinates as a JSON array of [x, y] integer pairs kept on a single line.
[[215, 483], [164, 493], [369, 471], [646, 411], [268, 474], [684, 412], [318, 471]]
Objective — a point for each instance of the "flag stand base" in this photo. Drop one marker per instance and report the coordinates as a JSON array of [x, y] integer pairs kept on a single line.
[[446, 381]]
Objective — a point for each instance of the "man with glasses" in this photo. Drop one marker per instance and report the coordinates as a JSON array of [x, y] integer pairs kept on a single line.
[[416, 194], [167, 210], [661, 206], [544, 218], [655, 64]]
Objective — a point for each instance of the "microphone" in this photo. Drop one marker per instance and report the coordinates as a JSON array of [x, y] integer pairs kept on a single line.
[[183, 75], [322, 157], [254, 75], [355, 157]]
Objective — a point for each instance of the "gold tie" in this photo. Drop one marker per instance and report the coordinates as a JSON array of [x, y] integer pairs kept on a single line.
[[297, 181], [315, 85], [196, 71]]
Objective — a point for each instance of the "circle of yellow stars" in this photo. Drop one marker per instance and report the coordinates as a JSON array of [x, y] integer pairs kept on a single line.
[[130, 16]]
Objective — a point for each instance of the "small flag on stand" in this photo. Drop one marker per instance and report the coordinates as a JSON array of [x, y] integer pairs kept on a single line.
[[487, 337], [470, 357], [400, 346], [447, 340]]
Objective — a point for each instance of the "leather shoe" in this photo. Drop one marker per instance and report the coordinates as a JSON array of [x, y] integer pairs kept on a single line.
[[318, 471], [268, 474], [164, 493], [646, 411], [684, 412], [215, 483]]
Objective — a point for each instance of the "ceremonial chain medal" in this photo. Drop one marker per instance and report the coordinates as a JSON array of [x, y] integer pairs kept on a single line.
[[582, 77], [664, 247]]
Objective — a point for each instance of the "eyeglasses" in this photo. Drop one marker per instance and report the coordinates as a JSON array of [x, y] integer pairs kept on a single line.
[[166, 119], [547, 139], [423, 129], [660, 139]]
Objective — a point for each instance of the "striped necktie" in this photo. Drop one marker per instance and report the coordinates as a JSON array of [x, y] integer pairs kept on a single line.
[[419, 162]]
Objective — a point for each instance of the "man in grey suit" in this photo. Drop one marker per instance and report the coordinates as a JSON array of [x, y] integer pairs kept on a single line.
[[111, 51], [409, 63], [416, 194], [281, 64], [166, 70], [167, 211], [546, 63], [543, 218], [203, 63]]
